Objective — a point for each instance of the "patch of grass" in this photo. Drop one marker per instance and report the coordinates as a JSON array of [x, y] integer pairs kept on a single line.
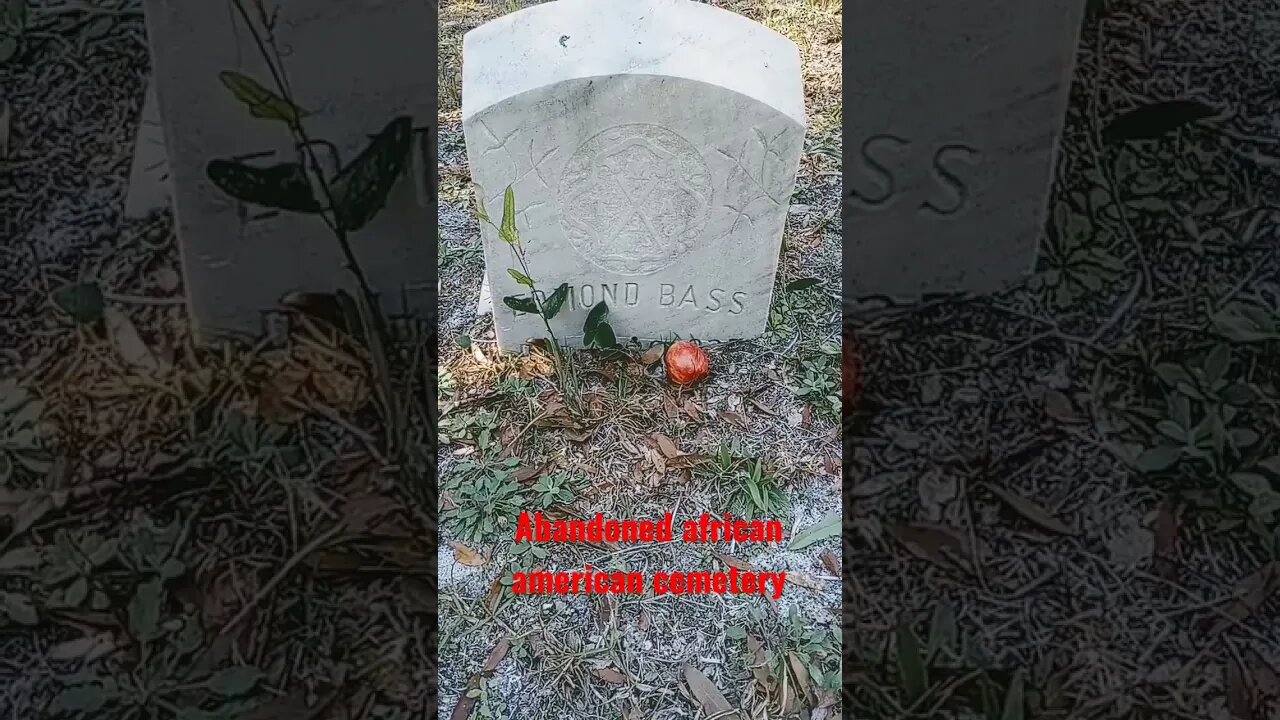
[[556, 488], [488, 500], [791, 659], [744, 488], [478, 427], [24, 436]]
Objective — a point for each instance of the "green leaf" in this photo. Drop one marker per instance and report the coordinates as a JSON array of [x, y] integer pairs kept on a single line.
[[911, 667], [1216, 365], [551, 306], [1014, 705], [9, 46], [827, 527], [81, 698], [943, 631], [1238, 394], [1243, 437], [283, 187], [507, 230], [76, 593], [172, 568], [82, 301], [144, 610], [521, 304], [1171, 430], [802, 284], [19, 609], [234, 681], [361, 188], [1150, 122], [1161, 457], [262, 102], [1265, 505], [520, 277], [1252, 484], [603, 337], [1244, 322], [14, 14], [594, 318], [1172, 374]]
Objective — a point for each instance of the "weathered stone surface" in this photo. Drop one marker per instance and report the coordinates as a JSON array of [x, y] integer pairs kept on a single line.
[[239, 259], [652, 146], [953, 113]]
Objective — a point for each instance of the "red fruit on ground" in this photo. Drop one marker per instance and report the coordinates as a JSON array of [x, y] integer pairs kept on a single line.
[[686, 363]]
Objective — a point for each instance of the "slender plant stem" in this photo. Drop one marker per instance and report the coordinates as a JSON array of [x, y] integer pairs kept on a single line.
[[275, 65], [375, 327]]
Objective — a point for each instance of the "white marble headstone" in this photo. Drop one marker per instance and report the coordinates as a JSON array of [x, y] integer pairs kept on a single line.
[[353, 67], [953, 112], [652, 146]]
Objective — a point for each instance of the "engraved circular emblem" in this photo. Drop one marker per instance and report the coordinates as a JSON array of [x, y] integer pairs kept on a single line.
[[634, 198]]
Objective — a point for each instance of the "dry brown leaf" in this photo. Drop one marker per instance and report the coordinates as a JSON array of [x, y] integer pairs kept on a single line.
[[1240, 696], [494, 598], [670, 408], [362, 512], [802, 580], [1252, 592], [801, 674], [644, 621], [1059, 407], [934, 543], [578, 435], [666, 445], [692, 410], [527, 473], [604, 609], [496, 655], [658, 462], [1166, 528], [126, 340], [806, 416], [278, 397], [832, 466], [1265, 680], [653, 354], [830, 562], [88, 648], [688, 461], [340, 386], [708, 695], [467, 556], [762, 407], [759, 666], [465, 705], [734, 562], [1030, 511], [5, 128], [734, 418], [612, 676]]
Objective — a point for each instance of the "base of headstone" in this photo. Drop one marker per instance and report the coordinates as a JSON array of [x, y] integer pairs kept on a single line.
[[484, 306], [149, 173]]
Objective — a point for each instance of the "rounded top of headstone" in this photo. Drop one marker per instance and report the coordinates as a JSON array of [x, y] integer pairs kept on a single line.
[[568, 39]]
